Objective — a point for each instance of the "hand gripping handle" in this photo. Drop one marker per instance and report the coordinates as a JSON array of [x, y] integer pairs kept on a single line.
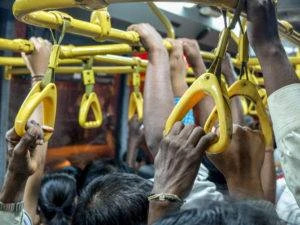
[[87, 102], [37, 95], [248, 90], [207, 84], [135, 105]]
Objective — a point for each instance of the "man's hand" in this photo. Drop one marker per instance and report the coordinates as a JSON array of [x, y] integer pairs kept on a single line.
[[176, 166], [150, 38], [37, 62], [262, 26], [242, 162], [193, 56], [179, 158], [21, 151]]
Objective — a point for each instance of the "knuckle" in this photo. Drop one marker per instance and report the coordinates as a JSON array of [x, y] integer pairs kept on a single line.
[[175, 144], [166, 140]]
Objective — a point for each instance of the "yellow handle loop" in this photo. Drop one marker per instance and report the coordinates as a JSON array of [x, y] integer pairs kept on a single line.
[[89, 99], [88, 102], [207, 84], [248, 90], [37, 95], [135, 105], [136, 97]]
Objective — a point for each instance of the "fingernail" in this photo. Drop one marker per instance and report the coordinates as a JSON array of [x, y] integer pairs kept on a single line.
[[47, 129]]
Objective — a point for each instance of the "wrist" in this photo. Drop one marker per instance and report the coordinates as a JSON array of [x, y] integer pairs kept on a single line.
[[246, 187], [268, 48], [13, 188], [199, 68]]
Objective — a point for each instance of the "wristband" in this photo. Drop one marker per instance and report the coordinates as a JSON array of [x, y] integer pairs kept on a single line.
[[37, 78], [165, 197], [12, 207]]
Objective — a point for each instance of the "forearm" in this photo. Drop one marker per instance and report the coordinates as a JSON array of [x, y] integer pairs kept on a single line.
[[158, 98], [32, 188], [133, 144], [276, 68], [13, 188], [179, 84], [268, 177], [203, 109], [249, 187]]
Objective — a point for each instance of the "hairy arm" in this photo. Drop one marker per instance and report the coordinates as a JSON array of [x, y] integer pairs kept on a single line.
[[264, 38], [158, 95]]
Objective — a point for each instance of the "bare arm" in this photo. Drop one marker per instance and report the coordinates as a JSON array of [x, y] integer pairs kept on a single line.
[[158, 95], [135, 140], [268, 176], [178, 68], [231, 76], [37, 63], [194, 58], [264, 38], [22, 162]]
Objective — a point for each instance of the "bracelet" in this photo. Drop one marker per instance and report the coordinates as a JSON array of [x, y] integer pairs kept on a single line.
[[165, 197], [37, 78]]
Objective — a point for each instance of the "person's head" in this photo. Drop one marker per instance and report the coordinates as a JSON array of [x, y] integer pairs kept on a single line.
[[114, 199], [57, 199], [71, 170], [225, 213], [99, 168]]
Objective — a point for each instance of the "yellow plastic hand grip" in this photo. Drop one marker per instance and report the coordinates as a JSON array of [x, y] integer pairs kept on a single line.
[[87, 102], [252, 107], [47, 96], [207, 84], [248, 90], [135, 105]]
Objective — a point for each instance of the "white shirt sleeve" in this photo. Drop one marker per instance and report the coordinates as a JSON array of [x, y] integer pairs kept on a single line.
[[284, 106]]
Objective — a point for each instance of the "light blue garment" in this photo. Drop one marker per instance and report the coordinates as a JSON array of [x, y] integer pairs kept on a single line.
[[189, 117]]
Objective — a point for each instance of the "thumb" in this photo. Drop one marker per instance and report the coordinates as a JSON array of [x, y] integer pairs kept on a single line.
[[27, 62], [27, 142]]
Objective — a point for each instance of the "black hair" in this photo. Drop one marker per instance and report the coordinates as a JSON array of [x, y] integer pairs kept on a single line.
[[57, 198], [72, 171], [114, 199], [101, 167], [225, 213]]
